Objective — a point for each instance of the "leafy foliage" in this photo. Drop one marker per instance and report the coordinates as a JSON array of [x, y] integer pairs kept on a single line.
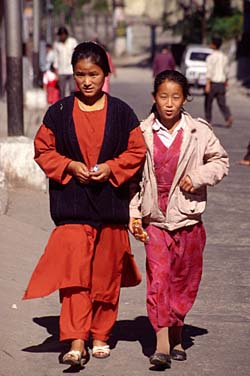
[[64, 5], [228, 26], [71, 9], [190, 28], [224, 20], [100, 5]]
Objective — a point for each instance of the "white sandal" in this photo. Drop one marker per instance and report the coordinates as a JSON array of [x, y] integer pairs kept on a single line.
[[75, 357], [101, 352]]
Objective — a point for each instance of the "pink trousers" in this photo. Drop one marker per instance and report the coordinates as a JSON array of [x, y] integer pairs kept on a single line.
[[174, 268]]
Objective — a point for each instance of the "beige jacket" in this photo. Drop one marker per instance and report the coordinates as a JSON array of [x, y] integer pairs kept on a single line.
[[202, 158]]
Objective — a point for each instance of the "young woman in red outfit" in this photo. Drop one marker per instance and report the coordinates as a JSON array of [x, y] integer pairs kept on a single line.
[[89, 145], [183, 157]]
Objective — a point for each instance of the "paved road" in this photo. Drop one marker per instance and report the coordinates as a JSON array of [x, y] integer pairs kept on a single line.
[[217, 328]]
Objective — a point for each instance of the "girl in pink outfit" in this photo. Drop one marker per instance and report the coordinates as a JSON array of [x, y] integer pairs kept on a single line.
[[183, 157], [50, 84]]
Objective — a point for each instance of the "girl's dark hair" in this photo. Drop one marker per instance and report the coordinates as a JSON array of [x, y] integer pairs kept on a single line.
[[172, 75], [93, 51]]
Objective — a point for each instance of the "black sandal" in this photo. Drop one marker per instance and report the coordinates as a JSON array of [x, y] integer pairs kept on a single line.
[[160, 360]]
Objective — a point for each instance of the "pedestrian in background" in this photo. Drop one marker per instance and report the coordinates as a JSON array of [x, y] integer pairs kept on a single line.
[[183, 157], [50, 78], [89, 145], [49, 56], [64, 48], [246, 160], [106, 85], [217, 82], [50, 84], [163, 60]]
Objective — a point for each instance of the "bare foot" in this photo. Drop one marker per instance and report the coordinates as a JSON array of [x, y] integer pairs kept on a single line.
[[77, 355], [178, 347], [175, 334], [244, 162], [100, 349], [229, 122], [78, 345]]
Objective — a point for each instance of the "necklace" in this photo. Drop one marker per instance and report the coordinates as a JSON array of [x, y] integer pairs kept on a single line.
[[98, 105]]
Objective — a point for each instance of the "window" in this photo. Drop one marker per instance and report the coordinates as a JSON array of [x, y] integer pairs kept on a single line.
[[199, 56]]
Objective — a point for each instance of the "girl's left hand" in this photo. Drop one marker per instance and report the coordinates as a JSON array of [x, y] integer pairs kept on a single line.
[[186, 184], [102, 174]]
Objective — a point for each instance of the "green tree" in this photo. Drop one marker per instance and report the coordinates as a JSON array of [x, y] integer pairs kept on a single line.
[[68, 11], [228, 26], [224, 20], [100, 5]]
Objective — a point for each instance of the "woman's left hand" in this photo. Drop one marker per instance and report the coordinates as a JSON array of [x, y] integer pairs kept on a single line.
[[102, 174], [186, 184]]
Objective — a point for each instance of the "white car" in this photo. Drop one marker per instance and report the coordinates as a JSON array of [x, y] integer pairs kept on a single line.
[[193, 64]]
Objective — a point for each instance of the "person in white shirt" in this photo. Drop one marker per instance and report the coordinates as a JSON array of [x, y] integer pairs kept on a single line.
[[63, 52], [49, 57], [217, 79]]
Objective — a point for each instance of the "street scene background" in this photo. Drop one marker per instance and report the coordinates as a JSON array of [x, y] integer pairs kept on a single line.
[[217, 328]]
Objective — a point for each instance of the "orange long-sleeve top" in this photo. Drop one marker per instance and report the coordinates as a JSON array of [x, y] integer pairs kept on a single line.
[[74, 268], [89, 126]]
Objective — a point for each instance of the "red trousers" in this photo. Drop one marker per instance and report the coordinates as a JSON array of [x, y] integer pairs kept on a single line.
[[81, 316], [86, 265]]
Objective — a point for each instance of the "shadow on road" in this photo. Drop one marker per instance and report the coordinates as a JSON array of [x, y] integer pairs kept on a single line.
[[141, 330], [138, 329]]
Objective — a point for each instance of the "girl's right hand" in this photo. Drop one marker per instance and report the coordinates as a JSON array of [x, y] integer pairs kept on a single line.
[[79, 170], [131, 224], [135, 226]]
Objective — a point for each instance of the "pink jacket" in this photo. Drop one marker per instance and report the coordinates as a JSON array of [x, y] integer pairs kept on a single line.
[[202, 158]]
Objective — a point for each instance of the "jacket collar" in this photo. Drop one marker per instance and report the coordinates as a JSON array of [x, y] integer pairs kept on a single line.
[[147, 123]]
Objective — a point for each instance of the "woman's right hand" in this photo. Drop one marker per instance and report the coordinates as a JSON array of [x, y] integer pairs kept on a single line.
[[79, 170]]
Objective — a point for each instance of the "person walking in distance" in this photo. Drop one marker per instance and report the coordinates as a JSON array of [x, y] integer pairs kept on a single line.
[[217, 81], [183, 157], [63, 51], [50, 84], [246, 159], [163, 60], [90, 145]]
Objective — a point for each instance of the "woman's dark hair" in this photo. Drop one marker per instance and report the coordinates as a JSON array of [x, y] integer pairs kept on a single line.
[[62, 30], [94, 52], [175, 76]]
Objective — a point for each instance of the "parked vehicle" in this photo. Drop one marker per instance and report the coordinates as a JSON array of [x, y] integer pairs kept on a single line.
[[193, 64]]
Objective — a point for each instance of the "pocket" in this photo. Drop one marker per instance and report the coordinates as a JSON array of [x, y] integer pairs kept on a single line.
[[192, 204]]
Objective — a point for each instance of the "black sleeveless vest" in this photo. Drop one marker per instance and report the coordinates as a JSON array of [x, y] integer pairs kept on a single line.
[[93, 203]]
